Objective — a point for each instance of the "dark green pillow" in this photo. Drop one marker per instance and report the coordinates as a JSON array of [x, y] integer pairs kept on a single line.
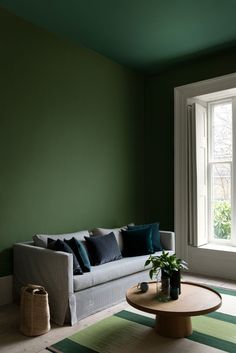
[[80, 253], [137, 242], [156, 239], [59, 245]]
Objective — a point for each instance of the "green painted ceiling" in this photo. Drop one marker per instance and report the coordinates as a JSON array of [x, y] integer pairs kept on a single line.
[[148, 35]]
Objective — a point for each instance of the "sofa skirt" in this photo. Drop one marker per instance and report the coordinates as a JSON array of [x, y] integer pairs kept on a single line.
[[91, 300]]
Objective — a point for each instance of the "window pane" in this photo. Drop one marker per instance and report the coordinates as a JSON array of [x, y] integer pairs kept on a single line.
[[222, 131], [221, 200]]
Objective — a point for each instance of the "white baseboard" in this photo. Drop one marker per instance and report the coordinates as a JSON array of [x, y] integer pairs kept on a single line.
[[6, 290]]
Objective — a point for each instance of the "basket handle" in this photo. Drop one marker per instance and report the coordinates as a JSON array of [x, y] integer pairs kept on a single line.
[[34, 288]]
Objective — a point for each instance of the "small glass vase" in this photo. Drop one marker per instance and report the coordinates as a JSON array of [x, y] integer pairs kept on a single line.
[[163, 289], [158, 287]]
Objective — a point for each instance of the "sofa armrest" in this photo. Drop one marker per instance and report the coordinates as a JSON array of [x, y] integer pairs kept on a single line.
[[167, 240], [51, 269]]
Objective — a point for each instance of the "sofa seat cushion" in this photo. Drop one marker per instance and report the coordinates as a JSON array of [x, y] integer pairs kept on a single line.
[[110, 271]]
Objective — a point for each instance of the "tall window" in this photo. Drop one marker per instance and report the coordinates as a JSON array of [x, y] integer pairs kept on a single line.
[[220, 181], [212, 171], [205, 174]]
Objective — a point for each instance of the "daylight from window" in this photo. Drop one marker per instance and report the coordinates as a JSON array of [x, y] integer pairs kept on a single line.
[[220, 169]]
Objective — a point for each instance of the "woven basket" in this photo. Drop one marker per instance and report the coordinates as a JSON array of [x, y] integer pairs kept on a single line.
[[35, 316]]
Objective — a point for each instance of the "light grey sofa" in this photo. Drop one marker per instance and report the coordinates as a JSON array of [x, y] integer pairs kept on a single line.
[[74, 297]]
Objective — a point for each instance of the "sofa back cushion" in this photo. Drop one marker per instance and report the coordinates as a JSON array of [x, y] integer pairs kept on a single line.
[[42, 239], [102, 249]]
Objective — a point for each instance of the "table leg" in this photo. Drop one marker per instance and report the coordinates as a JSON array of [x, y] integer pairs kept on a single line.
[[173, 326]]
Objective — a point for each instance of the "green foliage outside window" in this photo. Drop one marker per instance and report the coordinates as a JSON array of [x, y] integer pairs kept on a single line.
[[222, 220]]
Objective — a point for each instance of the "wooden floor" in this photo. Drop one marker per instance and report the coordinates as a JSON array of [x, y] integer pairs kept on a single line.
[[12, 341]]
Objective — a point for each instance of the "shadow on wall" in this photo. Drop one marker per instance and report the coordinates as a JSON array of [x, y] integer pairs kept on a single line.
[[6, 261]]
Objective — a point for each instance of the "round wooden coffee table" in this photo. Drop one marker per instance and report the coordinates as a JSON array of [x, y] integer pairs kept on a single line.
[[173, 318]]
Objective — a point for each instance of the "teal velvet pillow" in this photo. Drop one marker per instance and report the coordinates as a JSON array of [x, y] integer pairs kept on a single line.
[[80, 253], [156, 239], [137, 242]]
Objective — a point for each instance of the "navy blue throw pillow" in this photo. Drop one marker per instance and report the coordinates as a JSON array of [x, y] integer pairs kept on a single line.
[[80, 253], [59, 245], [137, 242], [156, 239], [102, 249]]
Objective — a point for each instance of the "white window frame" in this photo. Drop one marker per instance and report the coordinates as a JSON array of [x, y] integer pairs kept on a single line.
[[182, 94], [210, 164]]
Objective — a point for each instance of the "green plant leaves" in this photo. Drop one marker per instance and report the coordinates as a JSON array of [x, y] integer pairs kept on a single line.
[[169, 263], [222, 220], [147, 262]]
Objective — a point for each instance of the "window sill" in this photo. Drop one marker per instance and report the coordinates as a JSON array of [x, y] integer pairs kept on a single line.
[[218, 247]]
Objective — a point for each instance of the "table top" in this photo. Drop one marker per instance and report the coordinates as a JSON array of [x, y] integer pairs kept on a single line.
[[195, 299]]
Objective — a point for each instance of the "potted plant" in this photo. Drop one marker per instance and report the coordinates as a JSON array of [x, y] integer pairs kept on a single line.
[[169, 265]]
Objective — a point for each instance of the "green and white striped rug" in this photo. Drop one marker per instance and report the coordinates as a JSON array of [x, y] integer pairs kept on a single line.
[[132, 331]]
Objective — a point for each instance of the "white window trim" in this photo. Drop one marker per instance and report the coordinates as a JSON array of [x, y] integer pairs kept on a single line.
[[181, 95], [210, 163]]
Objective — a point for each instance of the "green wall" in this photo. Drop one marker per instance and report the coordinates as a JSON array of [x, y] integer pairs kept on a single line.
[[75, 149], [71, 146], [160, 128]]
